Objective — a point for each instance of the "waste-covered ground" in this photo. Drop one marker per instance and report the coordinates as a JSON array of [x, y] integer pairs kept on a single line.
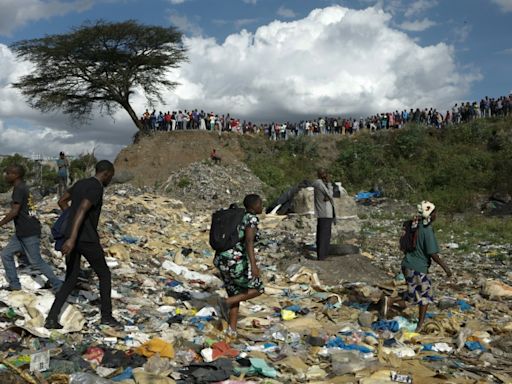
[[317, 321]]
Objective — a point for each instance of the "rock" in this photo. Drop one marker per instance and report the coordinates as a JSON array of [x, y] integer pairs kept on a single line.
[[303, 202], [122, 177], [365, 319]]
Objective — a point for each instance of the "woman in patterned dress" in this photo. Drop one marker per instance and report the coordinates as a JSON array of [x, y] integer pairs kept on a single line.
[[416, 264], [237, 266]]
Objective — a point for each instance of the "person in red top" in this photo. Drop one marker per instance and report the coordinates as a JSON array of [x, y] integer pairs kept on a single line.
[[215, 156]]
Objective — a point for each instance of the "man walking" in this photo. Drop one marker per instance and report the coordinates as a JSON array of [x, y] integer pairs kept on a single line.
[[27, 231], [82, 239], [324, 211]]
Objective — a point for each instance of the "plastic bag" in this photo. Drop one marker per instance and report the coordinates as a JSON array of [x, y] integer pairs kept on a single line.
[[87, 378]]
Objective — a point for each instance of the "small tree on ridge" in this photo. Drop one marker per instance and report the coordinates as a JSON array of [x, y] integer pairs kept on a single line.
[[99, 64]]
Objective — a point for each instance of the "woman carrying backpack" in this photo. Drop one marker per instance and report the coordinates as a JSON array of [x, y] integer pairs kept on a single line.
[[237, 266]]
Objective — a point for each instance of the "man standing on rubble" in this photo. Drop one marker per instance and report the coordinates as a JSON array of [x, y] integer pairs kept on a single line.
[[324, 211], [28, 231], [82, 239]]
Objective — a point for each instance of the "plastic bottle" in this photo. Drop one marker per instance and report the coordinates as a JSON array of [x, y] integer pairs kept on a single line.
[[11, 313]]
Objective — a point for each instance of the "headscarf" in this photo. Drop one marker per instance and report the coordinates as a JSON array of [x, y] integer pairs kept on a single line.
[[425, 209]]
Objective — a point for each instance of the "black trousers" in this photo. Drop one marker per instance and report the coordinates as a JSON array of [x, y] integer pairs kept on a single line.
[[323, 237], [96, 258]]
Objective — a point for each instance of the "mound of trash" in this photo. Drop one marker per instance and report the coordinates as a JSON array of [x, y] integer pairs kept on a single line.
[[207, 185], [303, 329]]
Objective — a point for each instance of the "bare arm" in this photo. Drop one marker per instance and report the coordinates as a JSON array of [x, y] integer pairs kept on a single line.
[[64, 201], [78, 220], [15, 210], [441, 262], [250, 235]]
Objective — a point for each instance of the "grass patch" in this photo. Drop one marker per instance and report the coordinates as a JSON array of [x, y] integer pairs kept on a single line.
[[473, 229], [184, 182], [281, 164]]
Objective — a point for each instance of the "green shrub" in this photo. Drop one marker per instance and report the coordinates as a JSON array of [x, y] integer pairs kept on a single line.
[[452, 166], [184, 182]]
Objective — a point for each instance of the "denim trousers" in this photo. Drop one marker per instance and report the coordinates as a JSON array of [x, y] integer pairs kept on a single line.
[[31, 247]]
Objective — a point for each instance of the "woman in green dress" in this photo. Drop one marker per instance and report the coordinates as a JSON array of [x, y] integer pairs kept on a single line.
[[238, 267]]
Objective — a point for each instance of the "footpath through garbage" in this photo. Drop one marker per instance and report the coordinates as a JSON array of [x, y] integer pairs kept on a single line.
[[316, 322]]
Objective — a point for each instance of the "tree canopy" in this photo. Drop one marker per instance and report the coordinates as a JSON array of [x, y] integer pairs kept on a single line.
[[99, 64]]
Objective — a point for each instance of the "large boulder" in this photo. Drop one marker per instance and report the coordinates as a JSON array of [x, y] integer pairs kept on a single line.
[[347, 222]]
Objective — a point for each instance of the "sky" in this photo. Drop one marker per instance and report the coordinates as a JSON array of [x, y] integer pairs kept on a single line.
[[272, 60]]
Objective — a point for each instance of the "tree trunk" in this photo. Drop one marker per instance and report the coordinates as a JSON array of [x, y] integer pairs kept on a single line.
[[133, 115]]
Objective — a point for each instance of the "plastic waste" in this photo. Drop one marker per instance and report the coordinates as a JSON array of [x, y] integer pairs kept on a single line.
[[404, 324], [394, 376], [125, 375], [158, 365], [288, 315], [474, 346], [87, 378], [386, 325], [344, 362]]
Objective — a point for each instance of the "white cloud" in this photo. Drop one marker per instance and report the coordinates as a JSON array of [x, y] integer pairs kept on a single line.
[[419, 6], [253, 2], [506, 51], [176, 2], [505, 5], [333, 61], [14, 14], [184, 24], [417, 25], [286, 12]]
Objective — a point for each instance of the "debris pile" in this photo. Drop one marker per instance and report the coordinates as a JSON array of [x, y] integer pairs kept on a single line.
[[305, 328], [203, 184]]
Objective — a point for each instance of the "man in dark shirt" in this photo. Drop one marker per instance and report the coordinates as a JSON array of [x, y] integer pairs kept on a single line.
[[82, 239], [27, 234]]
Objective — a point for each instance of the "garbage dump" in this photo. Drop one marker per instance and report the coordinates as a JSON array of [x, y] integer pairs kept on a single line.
[[315, 323]]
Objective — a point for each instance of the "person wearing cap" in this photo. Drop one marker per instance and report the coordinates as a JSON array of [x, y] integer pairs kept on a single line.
[[63, 166], [416, 263]]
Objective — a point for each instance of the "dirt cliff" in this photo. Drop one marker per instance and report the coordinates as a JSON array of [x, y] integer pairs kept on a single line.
[[154, 158]]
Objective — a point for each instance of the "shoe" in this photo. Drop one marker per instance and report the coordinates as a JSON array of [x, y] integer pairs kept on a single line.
[[383, 311], [9, 288], [111, 322], [52, 324], [224, 308]]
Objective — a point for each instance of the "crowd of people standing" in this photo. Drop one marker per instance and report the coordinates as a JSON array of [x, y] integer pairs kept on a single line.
[[201, 120]]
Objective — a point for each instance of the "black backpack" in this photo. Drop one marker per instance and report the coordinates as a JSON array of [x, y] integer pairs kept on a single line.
[[409, 235], [59, 229], [224, 229]]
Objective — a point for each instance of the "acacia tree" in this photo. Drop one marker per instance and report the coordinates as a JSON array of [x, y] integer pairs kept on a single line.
[[99, 64]]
